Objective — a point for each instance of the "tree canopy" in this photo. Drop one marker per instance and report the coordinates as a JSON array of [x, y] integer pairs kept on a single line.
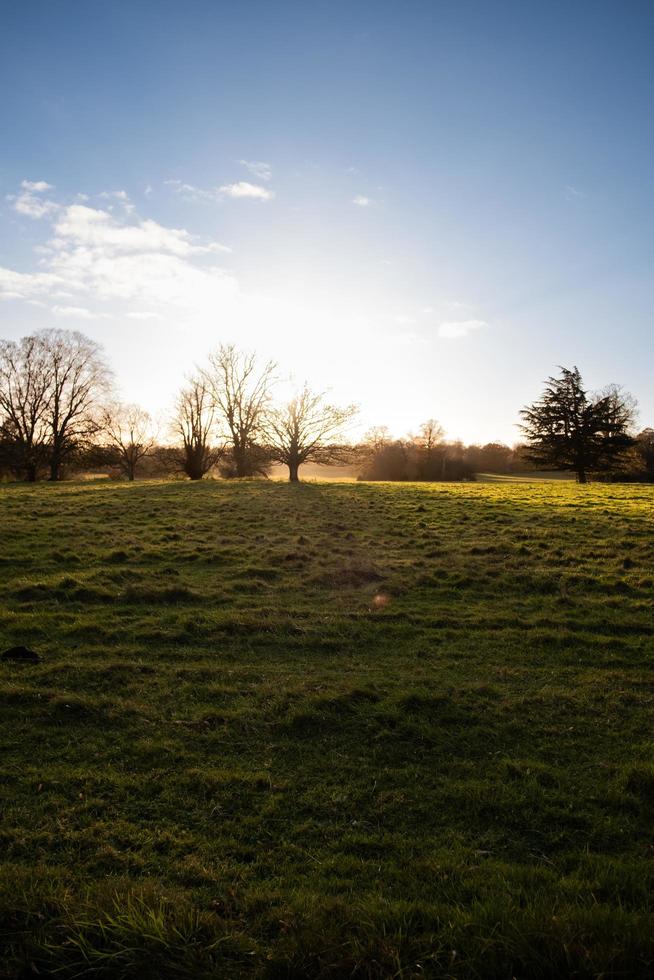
[[568, 429]]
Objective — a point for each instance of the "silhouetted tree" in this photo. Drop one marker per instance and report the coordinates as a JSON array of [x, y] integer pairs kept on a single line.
[[424, 457], [431, 434], [388, 460], [429, 452], [25, 396], [568, 430], [645, 448], [78, 379], [377, 437], [194, 423], [307, 429], [493, 457], [240, 392], [128, 434]]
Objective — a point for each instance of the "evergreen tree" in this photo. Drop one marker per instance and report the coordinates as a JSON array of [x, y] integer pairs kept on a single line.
[[569, 430]]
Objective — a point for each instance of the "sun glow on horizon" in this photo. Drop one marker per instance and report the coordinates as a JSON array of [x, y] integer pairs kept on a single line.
[[161, 297]]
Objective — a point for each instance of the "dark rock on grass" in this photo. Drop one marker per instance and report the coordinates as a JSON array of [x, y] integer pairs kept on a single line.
[[21, 654]]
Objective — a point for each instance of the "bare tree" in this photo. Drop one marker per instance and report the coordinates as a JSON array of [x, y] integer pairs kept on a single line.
[[431, 435], [79, 377], [430, 451], [307, 429], [25, 393], [240, 392], [129, 434], [194, 423], [376, 438]]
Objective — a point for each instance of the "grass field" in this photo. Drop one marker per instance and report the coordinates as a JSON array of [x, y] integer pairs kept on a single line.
[[327, 730]]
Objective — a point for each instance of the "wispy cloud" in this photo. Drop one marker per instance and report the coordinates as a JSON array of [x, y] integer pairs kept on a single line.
[[29, 203], [243, 189], [192, 193], [23, 285], [36, 185], [121, 196], [79, 312], [258, 169], [454, 329], [93, 256], [98, 229], [573, 193], [361, 201]]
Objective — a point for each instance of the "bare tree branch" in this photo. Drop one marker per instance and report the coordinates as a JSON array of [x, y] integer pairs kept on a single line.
[[307, 429], [129, 433], [240, 393], [194, 423]]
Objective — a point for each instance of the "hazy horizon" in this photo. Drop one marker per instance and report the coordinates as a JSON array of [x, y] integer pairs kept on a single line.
[[425, 209]]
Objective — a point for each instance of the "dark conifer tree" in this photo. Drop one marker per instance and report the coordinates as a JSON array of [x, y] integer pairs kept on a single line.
[[569, 430]]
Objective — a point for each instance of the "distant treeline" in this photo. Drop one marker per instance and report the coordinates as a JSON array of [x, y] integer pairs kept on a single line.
[[429, 456], [59, 417]]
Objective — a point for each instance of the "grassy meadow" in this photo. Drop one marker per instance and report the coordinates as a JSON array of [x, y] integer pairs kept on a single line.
[[327, 730]]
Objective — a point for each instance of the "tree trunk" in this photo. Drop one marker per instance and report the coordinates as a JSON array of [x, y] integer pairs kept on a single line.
[[293, 472], [581, 476], [31, 472], [240, 462], [54, 470]]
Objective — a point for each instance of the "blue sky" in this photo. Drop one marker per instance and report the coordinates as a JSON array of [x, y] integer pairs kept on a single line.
[[423, 206]]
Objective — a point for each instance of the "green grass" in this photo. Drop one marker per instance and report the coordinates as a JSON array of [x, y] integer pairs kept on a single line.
[[327, 730]]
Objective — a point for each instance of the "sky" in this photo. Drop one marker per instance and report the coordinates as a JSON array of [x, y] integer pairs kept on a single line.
[[423, 207]]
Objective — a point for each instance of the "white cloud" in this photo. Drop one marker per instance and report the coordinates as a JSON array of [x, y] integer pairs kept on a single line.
[[192, 193], [29, 204], [258, 168], [361, 201], [94, 228], [243, 189], [454, 329], [119, 195], [32, 207], [571, 193], [97, 256], [136, 315], [36, 185], [23, 285], [75, 311]]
